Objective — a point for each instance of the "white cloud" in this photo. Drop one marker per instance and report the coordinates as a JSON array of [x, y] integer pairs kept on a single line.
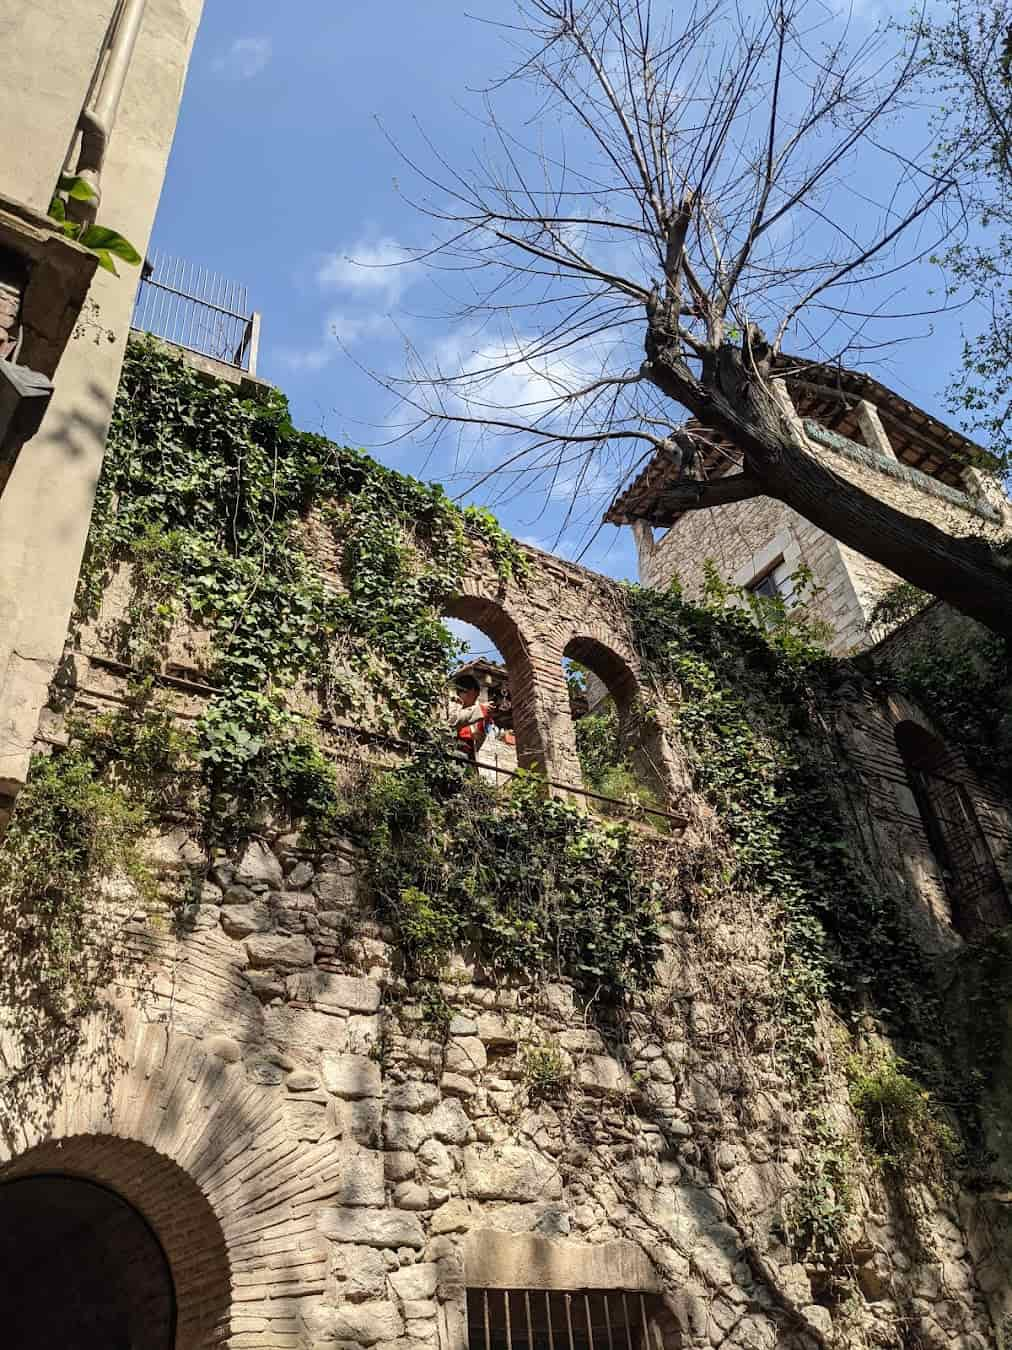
[[339, 330], [246, 57], [379, 267]]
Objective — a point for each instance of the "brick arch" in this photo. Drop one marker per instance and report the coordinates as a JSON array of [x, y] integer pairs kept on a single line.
[[501, 627], [169, 1202], [203, 1153], [612, 659]]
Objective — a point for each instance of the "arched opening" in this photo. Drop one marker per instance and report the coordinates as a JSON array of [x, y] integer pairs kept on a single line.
[[621, 748], [977, 894], [117, 1248], [82, 1268], [499, 661]]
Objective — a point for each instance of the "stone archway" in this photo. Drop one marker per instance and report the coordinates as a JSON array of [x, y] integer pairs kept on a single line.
[[152, 1253], [500, 627], [173, 1125], [81, 1267]]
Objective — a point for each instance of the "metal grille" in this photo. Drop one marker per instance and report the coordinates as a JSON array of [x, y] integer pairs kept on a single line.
[[195, 308], [962, 849], [529, 1319]]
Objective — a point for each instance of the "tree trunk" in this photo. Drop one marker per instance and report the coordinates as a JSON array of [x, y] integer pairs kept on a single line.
[[735, 402]]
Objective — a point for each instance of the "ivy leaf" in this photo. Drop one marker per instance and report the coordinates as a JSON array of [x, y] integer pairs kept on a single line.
[[77, 188], [100, 240]]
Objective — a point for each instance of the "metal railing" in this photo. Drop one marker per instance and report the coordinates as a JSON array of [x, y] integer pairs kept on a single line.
[[193, 307]]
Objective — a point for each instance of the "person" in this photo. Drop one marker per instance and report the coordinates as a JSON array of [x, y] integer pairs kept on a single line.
[[471, 720]]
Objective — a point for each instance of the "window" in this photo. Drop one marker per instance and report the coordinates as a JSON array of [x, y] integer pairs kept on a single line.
[[539, 1319], [775, 581]]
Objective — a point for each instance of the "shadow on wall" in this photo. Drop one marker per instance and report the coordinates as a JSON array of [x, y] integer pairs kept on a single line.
[[940, 784]]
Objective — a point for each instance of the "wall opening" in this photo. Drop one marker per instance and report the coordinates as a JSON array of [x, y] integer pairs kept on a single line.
[[542, 1319], [121, 1232], [81, 1268], [496, 641], [621, 748], [979, 899]]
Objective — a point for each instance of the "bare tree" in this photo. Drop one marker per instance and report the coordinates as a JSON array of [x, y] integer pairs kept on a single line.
[[674, 194]]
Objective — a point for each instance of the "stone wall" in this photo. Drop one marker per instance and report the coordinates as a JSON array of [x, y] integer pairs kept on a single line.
[[746, 537], [557, 610], [268, 1075], [328, 1160]]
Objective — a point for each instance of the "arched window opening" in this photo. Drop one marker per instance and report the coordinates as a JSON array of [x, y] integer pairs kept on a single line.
[[620, 747], [978, 896], [479, 706], [490, 706], [81, 1268]]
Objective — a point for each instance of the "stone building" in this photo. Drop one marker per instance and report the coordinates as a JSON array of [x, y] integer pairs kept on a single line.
[[870, 436], [270, 1141], [90, 90]]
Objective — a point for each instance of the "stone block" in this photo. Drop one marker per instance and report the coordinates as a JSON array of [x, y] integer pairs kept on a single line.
[[278, 952], [435, 1162], [240, 921], [259, 867], [361, 1180], [449, 1122], [457, 1085], [412, 1096], [372, 1227], [362, 1272], [358, 1323], [411, 1195], [404, 1130], [456, 1216], [351, 1076], [400, 1166], [603, 1076], [415, 1282], [335, 890], [495, 1030], [465, 1054], [509, 1172], [417, 1308], [349, 992], [302, 1080]]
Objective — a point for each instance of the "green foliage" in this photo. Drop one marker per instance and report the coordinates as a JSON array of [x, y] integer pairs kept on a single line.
[[546, 1073], [898, 1117], [210, 498], [71, 833], [536, 887], [745, 697], [963, 681], [106, 244], [598, 745], [899, 603], [818, 1208]]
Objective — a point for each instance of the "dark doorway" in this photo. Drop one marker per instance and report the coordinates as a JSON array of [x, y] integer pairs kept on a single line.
[[80, 1268]]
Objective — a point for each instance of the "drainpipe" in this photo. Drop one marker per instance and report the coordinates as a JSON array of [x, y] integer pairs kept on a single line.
[[99, 115]]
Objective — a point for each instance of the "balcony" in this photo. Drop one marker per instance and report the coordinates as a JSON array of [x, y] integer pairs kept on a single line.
[[206, 315]]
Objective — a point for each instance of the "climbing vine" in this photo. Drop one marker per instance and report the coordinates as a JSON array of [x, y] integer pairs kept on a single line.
[[225, 515], [745, 695], [538, 888]]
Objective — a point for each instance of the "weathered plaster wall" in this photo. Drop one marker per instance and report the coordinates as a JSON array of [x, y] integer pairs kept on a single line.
[[744, 537], [46, 504]]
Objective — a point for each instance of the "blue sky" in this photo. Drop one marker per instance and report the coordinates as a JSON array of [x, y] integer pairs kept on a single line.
[[279, 174]]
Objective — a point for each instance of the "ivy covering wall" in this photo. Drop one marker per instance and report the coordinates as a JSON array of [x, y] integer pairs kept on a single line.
[[212, 502]]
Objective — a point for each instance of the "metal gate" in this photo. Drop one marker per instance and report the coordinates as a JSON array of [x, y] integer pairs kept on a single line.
[[538, 1319]]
